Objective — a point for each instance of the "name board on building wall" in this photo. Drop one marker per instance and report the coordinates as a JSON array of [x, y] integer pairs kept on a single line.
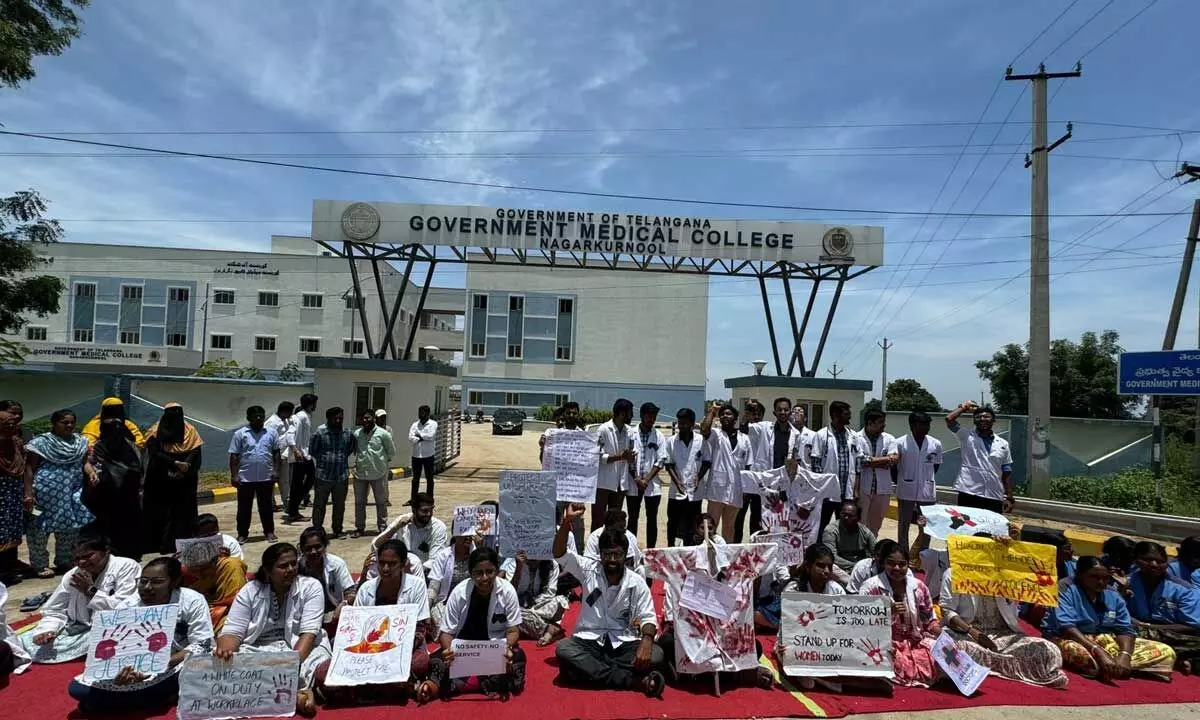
[[238, 267], [588, 231], [98, 354]]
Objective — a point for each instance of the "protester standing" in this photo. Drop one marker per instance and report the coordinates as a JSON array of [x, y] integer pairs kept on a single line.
[[772, 442], [285, 432], [650, 449], [920, 457], [56, 469], [616, 453], [112, 407], [836, 450], [878, 477], [423, 436], [985, 478], [729, 451], [331, 449], [253, 455], [373, 453], [172, 479], [687, 466], [302, 468], [115, 498], [15, 499], [799, 420]]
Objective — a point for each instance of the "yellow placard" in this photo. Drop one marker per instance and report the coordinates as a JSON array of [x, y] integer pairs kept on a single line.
[[1020, 571]]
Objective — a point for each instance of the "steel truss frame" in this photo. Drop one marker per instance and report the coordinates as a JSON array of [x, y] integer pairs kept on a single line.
[[783, 271]]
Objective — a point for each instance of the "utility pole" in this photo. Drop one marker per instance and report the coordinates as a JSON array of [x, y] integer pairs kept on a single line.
[[886, 346], [203, 330], [835, 372], [1038, 420], [1192, 172]]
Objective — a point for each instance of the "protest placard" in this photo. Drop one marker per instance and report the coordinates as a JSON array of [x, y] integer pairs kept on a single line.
[[136, 637], [830, 635], [574, 458], [791, 546], [478, 657], [708, 596], [373, 645], [250, 685], [967, 674], [474, 519], [942, 521], [527, 513], [198, 551], [1020, 571]]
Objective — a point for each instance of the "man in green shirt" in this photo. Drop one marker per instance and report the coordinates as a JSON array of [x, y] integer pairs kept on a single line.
[[849, 538], [373, 455]]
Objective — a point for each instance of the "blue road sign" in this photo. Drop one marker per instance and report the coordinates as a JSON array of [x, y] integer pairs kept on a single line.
[[1168, 372]]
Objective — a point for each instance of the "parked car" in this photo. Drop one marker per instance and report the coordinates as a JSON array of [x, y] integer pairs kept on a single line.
[[508, 421]]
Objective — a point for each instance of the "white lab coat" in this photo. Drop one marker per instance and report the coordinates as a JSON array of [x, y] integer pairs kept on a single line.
[[876, 481], [651, 453], [687, 460], [614, 476], [303, 612], [504, 609], [724, 482], [762, 444], [916, 468], [116, 585], [21, 658], [825, 457]]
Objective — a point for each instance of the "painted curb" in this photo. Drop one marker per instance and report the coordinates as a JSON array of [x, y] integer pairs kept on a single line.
[[229, 494]]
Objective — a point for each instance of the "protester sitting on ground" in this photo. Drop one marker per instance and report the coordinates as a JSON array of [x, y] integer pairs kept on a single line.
[[869, 567], [112, 407], [849, 539], [56, 471], [132, 690], [1164, 608], [814, 575], [931, 561], [612, 645], [1064, 560], [1092, 628], [615, 519], [281, 610], [914, 626], [986, 628], [14, 658], [1117, 555], [483, 607], [542, 607], [1187, 563], [396, 586], [207, 525], [220, 580], [99, 581], [446, 570], [422, 533], [329, 570], [809, 576], [705, 528]]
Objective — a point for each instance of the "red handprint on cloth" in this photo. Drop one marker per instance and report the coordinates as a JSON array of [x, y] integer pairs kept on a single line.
[[157, 641], [810, 616], [874, 652]]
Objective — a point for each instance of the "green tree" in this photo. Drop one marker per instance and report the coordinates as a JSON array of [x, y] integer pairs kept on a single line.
[[1083, 378], [291, 373], [29, 28], [909, 394], [227, 369]]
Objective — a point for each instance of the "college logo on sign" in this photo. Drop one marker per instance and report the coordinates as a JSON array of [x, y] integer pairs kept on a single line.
[[838, 245], [360, 221]]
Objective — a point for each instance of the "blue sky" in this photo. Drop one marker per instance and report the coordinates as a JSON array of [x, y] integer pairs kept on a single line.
[[848, 95]]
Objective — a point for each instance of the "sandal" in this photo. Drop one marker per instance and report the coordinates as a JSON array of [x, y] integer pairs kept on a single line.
[[764, 679], [30, 604], [427, 691], [44, 574], [305, 704]]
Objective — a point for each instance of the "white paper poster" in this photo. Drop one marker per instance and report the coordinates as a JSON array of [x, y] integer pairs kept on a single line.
[[791, 546], [474, 519], [198, 551], [478, 657], [373, 645], [574, 458], [707, 596], [527, 513], [967, 674], [249, 685], [829, 635], [136, 637], [942, 521]]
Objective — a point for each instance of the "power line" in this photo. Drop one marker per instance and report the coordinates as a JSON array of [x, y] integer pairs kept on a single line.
[[1042, 33], [1068, 38], [1120, 27]]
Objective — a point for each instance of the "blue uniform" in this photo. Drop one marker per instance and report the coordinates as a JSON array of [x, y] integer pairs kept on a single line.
[[1110, 615], [1171, 603], [1176, 569]]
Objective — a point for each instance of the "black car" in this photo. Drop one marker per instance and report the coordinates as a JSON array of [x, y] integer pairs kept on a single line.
[[508, 421]]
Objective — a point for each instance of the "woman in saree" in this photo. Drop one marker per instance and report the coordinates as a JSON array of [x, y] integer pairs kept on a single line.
[[331, 571], [172, 478], [914, 626], [1164, 608], [542, 607], [56, 472], [1092, 628], [115, 499], [14, 497]]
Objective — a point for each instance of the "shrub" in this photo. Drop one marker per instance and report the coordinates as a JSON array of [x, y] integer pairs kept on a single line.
[[1131, 489], [589, 415]]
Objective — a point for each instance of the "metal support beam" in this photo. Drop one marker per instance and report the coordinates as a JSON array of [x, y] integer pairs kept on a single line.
[[358, 300], [799, 352], [837, 294], [388, 337], [762, 286], [382, 302], [412, 331], [797, 338]]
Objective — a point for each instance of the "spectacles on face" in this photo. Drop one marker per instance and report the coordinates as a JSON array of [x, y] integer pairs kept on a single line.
[[483, 573], [151, 582]]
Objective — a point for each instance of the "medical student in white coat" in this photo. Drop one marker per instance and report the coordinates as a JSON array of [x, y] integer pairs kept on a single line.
[[616, 454], [836, 449], [729, 451], [650, 448], [687, 465], [920, 457], [877, 479], [772, 443]]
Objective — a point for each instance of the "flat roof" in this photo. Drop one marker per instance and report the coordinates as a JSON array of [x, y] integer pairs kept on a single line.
[[813, 383], [380, 365]]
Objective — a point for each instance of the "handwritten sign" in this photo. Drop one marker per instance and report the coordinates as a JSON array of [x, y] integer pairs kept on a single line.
[[1020, 571], [791, 546], [136, 637], [474, 520], [967, 674], [708, 596], [828, 635], [574, 458], [942, 521], [198, 551], [250, 685], [478, 658], [373, 645], [527, 513]]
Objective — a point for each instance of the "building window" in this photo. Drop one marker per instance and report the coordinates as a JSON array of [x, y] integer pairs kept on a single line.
[[560, 400], [474, 397], [479, 302], [264, 343], [177, 340], [403, 315], [131, 292], [563, 347], [516, 327], [268, 299], [85, 290], [512, 398], [516, 303], [223, 297], [178, 294], [310, 345], [352, 347], [130, 337], [312, 300], [562, 353], [514, 352], [370, 397], [354, 301], [478, 350], [83, 336], [220, 342], [34, 332], [565, 305]]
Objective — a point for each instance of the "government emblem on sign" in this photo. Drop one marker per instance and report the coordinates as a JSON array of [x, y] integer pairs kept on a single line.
[[838, 245], [360, 221]]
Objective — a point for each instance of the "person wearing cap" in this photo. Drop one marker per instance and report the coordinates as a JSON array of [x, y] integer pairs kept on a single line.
[[112, 407], [381, 420], [650, 456], [373, 453]]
